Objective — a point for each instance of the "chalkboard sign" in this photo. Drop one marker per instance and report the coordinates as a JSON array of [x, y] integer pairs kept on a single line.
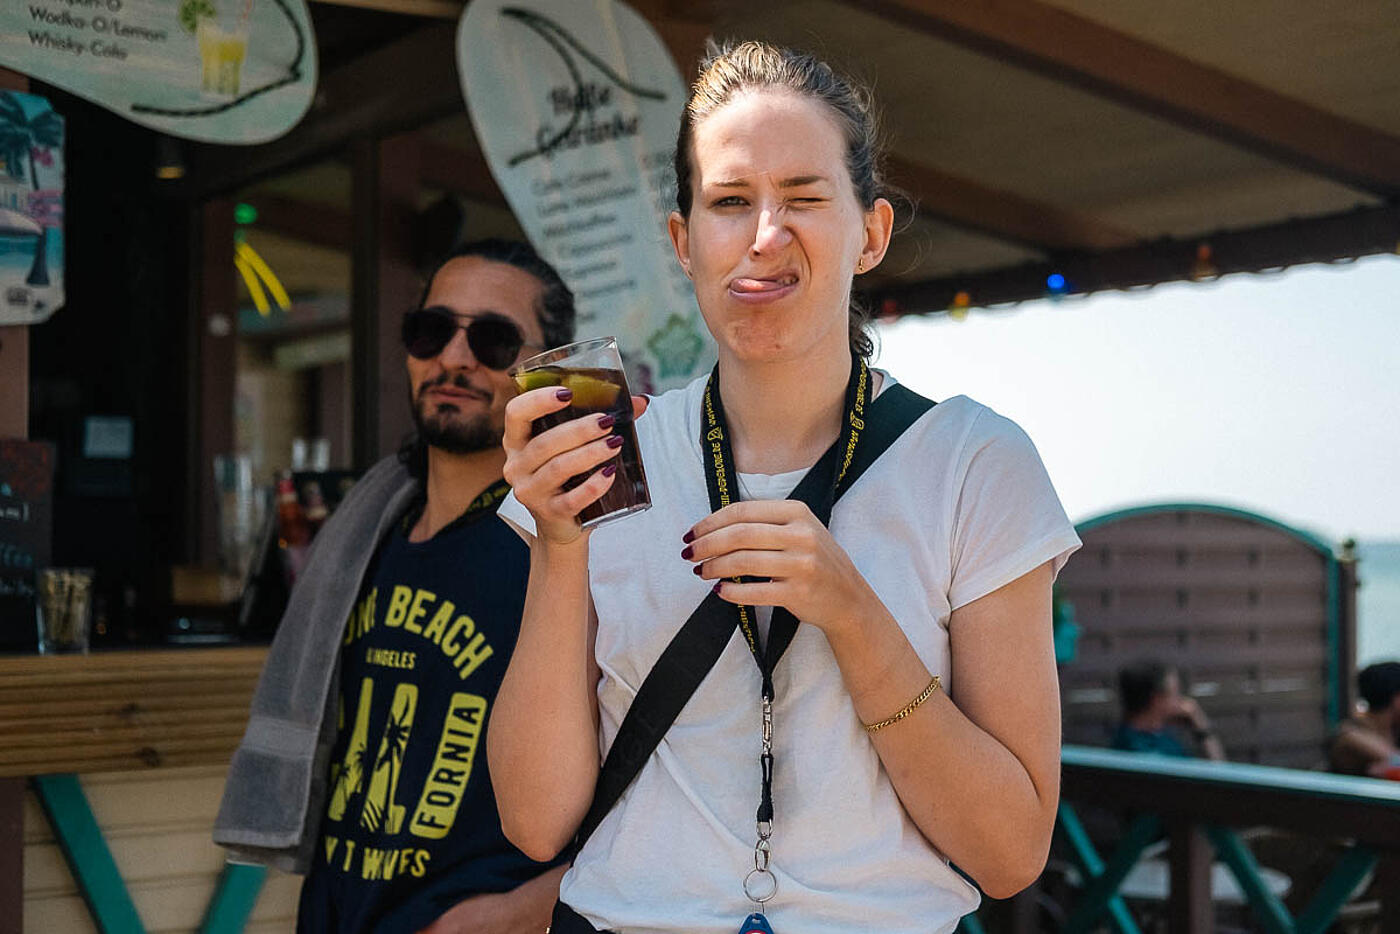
[[26, 535]]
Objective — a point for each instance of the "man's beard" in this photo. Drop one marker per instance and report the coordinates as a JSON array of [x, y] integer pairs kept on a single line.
[[451, 431]]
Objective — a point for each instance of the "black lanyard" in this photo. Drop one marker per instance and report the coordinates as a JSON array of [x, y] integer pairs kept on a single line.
[[488, 502], [819, 489]]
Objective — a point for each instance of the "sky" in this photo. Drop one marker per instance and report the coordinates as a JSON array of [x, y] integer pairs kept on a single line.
[[1275, 393]]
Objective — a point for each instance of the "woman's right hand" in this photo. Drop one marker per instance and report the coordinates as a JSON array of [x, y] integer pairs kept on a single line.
[[537, 468]]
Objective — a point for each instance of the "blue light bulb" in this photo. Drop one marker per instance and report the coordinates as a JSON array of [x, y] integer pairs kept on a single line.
[[1055, 282]]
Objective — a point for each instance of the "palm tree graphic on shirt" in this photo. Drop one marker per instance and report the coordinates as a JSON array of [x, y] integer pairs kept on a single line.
[[379, 812]]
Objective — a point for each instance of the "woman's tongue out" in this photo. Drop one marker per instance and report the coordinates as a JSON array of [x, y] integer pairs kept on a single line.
[[758, 290]]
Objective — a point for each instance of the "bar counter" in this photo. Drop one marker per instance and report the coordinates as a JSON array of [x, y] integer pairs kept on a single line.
[[111, 769], [124, 710]]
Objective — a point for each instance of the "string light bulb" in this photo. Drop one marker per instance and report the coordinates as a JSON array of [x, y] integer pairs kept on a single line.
[[1057, 285], [962, 301], [1204, 268]]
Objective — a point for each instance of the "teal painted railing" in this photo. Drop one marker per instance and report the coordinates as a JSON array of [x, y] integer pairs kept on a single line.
[[1186, 797], [100, 882], [1181, 797], [1199, 806]]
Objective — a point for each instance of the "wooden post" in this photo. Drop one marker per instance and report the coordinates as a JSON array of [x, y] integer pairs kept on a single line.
[[1388, 884], [11, 855], [14, 342], [1346, 624], [213, 375], [14, 382], [1189, 909], [384, 285], [14, 423], [1025, 911]]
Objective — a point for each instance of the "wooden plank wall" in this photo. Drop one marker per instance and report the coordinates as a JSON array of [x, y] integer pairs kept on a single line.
[[157, 824], [1239, 606]]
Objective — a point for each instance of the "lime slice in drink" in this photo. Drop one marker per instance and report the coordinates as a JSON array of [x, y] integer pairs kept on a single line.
[[590, 392], [192, 11], [537, 379]]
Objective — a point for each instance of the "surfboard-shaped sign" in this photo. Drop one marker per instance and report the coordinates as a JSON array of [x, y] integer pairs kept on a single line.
[[218, 71], [576, 105]]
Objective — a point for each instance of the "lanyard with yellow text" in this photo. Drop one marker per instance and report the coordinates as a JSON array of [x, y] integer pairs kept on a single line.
[[819, 489], [488, 502]]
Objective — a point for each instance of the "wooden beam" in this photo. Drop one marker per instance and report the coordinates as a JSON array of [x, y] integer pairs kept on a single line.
[[307, 221], [683, 28], [1002, 214], [355, 100], [435, 9], [402, 86], [1332, 238], [1082, 52], [461, 171], [938, 194]]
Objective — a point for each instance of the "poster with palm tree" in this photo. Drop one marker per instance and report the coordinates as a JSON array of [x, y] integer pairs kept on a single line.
[[31, 209]]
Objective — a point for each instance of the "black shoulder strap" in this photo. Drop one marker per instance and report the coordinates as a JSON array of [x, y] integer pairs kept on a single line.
[[694, 650]]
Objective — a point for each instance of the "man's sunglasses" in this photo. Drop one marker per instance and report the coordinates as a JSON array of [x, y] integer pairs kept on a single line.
[[495, 340]]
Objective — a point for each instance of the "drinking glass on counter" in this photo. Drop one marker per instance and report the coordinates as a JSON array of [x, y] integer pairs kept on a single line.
[[64, 609]]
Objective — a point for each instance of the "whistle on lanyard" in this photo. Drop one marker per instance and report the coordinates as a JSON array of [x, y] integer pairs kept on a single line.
[[755, 924]]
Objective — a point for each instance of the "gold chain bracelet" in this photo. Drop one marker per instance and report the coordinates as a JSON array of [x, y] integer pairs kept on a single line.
[[906, 710]]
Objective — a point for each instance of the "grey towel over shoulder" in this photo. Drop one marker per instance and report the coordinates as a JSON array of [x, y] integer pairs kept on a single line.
[[275, 792]]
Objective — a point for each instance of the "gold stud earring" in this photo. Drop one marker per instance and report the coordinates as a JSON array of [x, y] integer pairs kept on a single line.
[[860, 265]]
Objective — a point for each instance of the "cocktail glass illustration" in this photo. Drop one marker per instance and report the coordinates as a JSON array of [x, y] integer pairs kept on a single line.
[[222, 36]]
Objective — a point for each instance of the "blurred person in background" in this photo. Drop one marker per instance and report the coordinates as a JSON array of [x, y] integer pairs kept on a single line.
[[1155, 712], [1369, 742]]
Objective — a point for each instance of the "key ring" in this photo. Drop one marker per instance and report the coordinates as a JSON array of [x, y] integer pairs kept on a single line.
[[763, 882]]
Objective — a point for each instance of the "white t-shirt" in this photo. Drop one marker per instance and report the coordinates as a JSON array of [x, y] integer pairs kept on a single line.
[[959, 506]]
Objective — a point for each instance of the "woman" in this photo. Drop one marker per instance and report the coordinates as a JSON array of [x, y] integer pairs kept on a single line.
[[938, 561]]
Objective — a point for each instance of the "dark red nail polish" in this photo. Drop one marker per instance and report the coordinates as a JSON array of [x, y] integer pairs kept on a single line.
[[606, 421], [609, 470], [699, 570], [563, 395], [687, 552], [688, 537], [717, 586], [615, 441]]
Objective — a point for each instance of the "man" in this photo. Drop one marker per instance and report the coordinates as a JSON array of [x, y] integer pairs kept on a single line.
[[1369, 742], [1152, 705], [363, 761]]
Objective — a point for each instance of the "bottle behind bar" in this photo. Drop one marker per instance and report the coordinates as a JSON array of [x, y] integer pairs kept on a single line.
[[293, 531], [316, 511]]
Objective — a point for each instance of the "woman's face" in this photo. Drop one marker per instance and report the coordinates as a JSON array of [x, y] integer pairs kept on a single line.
[[775, 230]]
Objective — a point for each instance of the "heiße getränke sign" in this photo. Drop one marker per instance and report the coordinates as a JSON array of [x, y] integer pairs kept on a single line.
[[219, 71], [576, 104]]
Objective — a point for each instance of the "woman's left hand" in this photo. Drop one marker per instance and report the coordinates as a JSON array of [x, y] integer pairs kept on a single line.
[[802, 567]]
